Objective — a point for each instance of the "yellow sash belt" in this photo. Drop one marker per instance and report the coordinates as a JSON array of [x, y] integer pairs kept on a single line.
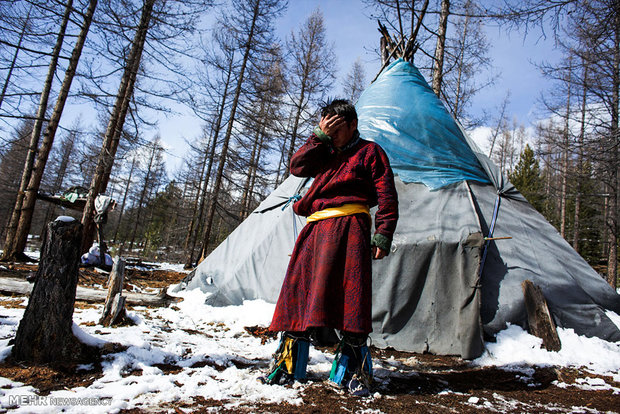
[[344, 210]]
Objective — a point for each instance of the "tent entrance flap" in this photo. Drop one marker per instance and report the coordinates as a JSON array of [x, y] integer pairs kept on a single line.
[[431, 277]]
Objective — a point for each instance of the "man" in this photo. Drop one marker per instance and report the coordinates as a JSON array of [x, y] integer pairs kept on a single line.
[[328, 281]]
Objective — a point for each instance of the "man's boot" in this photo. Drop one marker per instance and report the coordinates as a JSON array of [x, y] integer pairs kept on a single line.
[[352, 367], [290, 360]]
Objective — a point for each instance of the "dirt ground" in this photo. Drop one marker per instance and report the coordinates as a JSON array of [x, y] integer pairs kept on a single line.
[[430, 384]]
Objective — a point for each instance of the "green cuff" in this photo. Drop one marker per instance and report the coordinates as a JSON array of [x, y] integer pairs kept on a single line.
[[382, 242], [322, 136]]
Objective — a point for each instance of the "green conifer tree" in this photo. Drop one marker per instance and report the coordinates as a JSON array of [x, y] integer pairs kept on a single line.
[[526, 177]]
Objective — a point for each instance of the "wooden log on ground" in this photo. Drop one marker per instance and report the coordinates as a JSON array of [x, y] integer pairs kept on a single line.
[[45, 332], [114, 308], [12, 285], [539, 318]]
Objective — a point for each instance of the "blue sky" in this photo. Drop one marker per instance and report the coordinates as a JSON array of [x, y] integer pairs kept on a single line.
[[354, 35]]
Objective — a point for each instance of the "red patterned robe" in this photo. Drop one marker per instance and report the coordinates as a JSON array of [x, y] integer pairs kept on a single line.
[[328, 281]]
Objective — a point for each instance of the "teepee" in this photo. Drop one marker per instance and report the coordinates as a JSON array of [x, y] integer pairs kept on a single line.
[[444, 287]]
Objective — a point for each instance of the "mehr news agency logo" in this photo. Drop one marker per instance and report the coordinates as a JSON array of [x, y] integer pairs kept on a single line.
[[38, 400]]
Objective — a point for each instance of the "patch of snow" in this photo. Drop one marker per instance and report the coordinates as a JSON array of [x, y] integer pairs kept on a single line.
[[33, 253], [214, 355], [615, 318], [175, 267], [590, 384], [86, 338], [518, 350], [65, 219]]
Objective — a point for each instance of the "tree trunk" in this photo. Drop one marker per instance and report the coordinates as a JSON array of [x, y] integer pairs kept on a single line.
[[45, 332], [299, 109], [67, 151], [115, 124], [30, 197], [92, 295], [10, 244], [385, 55], [122, 210], [194, 221], [281, 164], [502, 115], [565, 145], [459, 65], [580, 166], [440, 48], [114, 307], [143, 193], [254, 173], [252, 164], [231, 121], [612, 222], [539, 318]]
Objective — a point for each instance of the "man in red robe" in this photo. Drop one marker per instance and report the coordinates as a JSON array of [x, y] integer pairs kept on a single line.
[[328, 282]]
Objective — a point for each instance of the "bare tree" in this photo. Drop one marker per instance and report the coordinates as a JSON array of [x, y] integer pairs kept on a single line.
[[439, 49], [11, 169], [252, 21], [11, 250], [355, 81], [262, 121], [32, 188], [466, 59], [13, 63], [311, 70], [115, 125], [152, 174]]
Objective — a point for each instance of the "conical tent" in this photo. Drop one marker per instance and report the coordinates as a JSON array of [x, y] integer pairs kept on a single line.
[[442, 288]]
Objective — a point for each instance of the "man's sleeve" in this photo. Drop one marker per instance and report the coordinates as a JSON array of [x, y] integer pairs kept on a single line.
[[387, 200], [308, 160]]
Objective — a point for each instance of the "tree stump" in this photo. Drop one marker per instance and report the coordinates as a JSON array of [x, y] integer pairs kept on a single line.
[[539, 318], [45, 332], [114, 308]]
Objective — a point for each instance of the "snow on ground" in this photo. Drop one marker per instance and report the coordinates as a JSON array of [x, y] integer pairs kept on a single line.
[[218, 360], [208, 343], [175, 267], [516, 349]]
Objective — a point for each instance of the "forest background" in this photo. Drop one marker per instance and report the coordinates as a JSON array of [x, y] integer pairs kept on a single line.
[[186, 112]]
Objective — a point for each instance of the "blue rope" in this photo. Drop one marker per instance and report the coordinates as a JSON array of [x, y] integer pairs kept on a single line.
[[295, 232], [486, 242], [291, 199]]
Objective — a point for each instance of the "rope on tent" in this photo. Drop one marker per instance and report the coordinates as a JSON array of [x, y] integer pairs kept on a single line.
[[290, 200], [490, 236], [293, 199]]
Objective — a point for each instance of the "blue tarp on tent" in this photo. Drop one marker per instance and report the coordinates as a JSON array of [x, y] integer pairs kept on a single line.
[[400, 112]]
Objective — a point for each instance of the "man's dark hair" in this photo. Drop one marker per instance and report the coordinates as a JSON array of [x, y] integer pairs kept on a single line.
[[340, 107]]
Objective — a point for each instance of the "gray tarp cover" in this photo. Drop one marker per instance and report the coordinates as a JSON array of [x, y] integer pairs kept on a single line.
[[426, 294]]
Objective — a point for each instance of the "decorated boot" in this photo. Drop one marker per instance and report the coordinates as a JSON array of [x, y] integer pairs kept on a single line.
[[352, 367], [289, 361]]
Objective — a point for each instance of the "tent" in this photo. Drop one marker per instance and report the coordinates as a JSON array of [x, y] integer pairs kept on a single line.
[[444, 287]]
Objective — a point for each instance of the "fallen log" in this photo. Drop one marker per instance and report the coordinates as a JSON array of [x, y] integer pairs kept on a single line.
[[11, 285]]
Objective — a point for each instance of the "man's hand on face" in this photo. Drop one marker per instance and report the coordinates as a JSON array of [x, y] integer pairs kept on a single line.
[[330, 124], [378, 253]]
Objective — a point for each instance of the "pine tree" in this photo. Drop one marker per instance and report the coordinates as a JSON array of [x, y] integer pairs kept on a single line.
[[526, 177]]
